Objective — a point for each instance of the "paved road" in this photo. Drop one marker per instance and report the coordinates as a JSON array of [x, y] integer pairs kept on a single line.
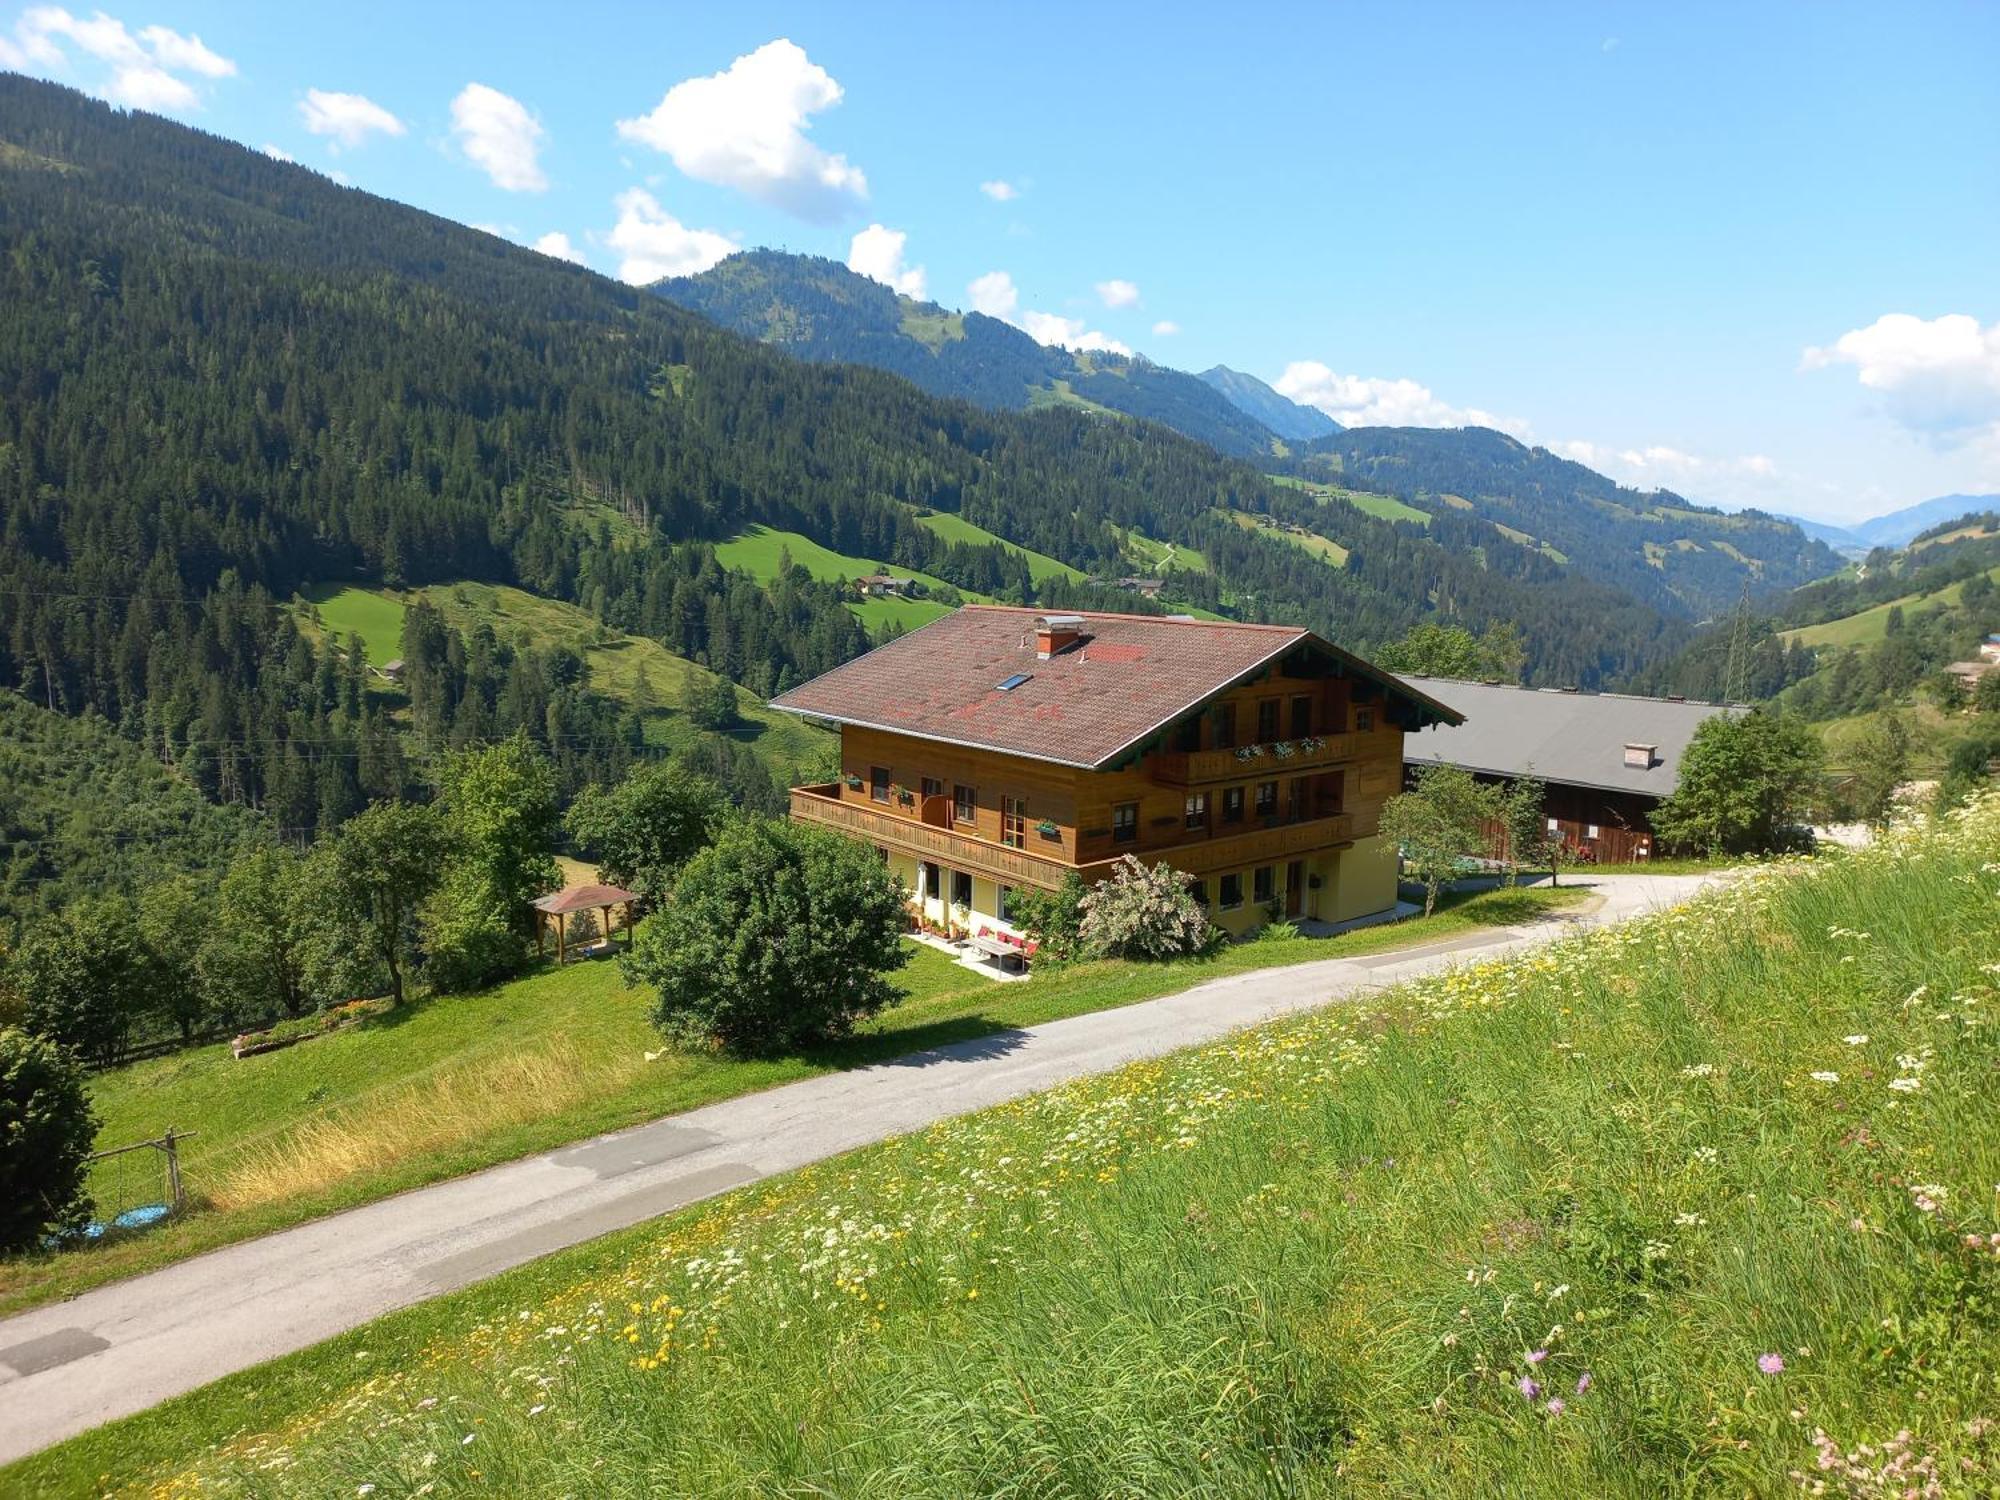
[[123, 1347]]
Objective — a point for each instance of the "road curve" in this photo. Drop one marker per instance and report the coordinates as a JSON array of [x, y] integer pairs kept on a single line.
[[121, 1348]]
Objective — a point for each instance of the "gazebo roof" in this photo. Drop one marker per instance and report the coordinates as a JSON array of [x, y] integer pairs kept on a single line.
[[583, 898]]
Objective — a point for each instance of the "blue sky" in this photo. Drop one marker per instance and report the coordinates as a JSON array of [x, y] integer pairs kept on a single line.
[[1751, 253]]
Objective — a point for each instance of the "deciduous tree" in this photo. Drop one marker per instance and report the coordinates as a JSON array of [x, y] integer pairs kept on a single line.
[[1743, 779], [1438, 822], [777, 936], [383, 863]]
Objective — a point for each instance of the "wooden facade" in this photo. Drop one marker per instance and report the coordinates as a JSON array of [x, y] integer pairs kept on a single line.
[[1269, 795]]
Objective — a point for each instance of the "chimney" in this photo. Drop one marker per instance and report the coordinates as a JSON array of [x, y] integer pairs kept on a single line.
[[1641, 757], [1055, 634]]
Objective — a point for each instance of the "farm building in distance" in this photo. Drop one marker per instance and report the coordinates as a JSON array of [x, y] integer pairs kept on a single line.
[[995, 749], [1608, 759]]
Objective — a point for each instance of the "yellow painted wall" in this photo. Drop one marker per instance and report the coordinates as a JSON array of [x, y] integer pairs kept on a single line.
[[1364, 881]]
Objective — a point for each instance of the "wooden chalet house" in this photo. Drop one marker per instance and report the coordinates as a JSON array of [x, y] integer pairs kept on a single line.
[[995, 749]]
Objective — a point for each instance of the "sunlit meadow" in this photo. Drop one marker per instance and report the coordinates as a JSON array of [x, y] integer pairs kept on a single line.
[[1704, 1204]]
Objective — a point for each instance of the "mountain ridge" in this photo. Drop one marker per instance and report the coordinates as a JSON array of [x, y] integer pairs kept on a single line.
[[1289, 419]]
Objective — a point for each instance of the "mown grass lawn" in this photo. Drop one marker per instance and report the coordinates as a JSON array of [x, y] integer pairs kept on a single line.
[[447, 1086], [373, 614], [1700, 1205]]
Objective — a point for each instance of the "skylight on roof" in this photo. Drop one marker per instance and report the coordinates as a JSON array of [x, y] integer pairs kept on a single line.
[[1015, 681]]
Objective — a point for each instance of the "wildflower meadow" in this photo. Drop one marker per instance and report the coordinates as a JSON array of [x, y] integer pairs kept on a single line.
[[1708, 1203]]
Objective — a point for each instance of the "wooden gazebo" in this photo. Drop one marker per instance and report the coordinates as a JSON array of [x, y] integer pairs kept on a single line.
[[557, 905]]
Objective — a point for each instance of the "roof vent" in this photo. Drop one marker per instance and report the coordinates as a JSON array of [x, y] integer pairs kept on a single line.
[[1641, 757], [1056, 633]]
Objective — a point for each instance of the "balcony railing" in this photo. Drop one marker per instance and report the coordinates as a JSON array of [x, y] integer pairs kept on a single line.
[[959, 851], [1196, 767], [1261, 845]]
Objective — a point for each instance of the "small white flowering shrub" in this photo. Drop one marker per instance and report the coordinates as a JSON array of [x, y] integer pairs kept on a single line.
[[1144, 911]]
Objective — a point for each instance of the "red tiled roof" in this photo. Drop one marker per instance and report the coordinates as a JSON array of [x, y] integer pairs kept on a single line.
[[1130, 676], [583, 897]]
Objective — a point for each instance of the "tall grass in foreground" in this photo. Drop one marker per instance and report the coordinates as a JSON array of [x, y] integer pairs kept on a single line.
[[452, 1106], [1702, 1205]]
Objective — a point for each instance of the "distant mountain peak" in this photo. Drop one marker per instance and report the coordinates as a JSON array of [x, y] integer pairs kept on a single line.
[[818, 309], [1282, 415]]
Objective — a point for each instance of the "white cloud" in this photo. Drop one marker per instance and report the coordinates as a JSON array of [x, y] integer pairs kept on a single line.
[[654, 244], [557, 244], [1070, 333], [1938, 377], [144, 69], [1117, 293], [1166, 328], [995, 295], [1369, 401], [1000, 190], [500, 136], [745, 128], [348, 118], [276, 153], [1661, 466], [877, 253]]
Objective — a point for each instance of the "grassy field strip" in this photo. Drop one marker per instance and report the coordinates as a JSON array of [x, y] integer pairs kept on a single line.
[[758, 551], [1686, 1206], [1324, 548], [1865, 627], [376, 615], [955, 528], [1382, 507], [300, 1115]]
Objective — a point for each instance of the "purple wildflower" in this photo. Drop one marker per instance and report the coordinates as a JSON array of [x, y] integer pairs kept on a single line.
[[1530, 1387], [1556, 1406], [1771, 1364], [1583, 1382], [1536, 1356]]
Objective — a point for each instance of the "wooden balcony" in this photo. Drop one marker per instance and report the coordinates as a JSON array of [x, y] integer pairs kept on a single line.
[[1283, 758], [919, 836], [1263, 845]]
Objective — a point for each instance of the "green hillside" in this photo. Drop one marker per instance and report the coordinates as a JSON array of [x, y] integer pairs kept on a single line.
[[632, 670], [86, 812], [759, 550], [1324, 548], [1868, 626], [955, 528]]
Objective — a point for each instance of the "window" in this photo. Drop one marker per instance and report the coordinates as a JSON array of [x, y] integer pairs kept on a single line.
[[1223, 717], [1125, 823], [1014, 822], [933, 882], [932, 787], [1298, 798], [1197, 809], [961, 888], [1232, 892], [1187, 738], [1302, 717], [1267, 799], [1554, 826], [1267, 721], [1590, 830], [1015, 681], [1232, 804], [1263, 889], [1364, 720], [1006, 903], [878, 783], [1199, 890], [964, 804]]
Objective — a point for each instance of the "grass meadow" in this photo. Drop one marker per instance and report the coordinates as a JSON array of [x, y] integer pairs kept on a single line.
[[1704, 1204], [452, 1084]]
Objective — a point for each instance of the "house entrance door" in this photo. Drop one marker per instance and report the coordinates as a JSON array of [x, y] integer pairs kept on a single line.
[[1295, 888]]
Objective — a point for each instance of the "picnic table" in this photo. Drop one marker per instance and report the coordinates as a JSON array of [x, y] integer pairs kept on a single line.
[[1002, 953]]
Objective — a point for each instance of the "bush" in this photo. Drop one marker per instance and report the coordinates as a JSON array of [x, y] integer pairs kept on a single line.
[[776, 937], [46, 1133], [84, 979], [1143, 911], [1054, 919]]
